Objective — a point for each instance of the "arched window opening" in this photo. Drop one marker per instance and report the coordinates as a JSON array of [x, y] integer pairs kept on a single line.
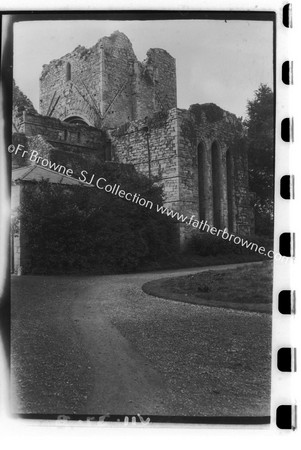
[[75, 120], [216, 184], [68, 71], [201, 180], [230, 189]]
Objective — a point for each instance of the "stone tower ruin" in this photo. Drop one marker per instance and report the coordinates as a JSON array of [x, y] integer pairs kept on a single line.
[[101, 98], [106, 86]]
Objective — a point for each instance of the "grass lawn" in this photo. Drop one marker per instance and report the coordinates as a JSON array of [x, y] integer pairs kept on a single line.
[[246, 288]]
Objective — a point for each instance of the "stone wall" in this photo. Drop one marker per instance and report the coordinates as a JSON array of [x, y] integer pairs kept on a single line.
[[151, 145], [74, 146], [15, 230], [198, 155], [155, 83], [21, 103], [117, 80], [173, 146], [106, 85], [244, 213], [56, 132], [217, 143], [20, 251], [63, 96]]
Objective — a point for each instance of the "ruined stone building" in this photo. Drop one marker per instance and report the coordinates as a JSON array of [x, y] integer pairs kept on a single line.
[[104, 104]]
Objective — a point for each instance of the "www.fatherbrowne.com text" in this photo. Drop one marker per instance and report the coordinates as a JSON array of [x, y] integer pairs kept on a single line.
[[101, 184]]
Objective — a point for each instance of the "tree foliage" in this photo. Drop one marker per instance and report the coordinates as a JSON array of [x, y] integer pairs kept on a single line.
[[260, 124], [77, 229]]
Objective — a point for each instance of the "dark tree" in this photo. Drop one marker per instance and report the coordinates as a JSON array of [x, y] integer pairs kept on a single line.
[[260, 124]]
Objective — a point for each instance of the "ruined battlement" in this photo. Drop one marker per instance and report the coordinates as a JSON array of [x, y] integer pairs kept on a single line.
[[106, 86], [77, 136], [198, 155]]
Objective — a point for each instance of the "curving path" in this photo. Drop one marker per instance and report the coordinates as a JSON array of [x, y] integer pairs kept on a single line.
[[99, 345]]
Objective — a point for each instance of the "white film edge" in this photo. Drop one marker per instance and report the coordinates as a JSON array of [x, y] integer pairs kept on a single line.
[[150, 112]]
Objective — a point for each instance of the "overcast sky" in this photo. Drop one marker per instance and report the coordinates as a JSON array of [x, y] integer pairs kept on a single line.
[[217, 62]]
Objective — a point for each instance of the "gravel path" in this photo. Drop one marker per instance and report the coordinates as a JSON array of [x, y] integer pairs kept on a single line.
[[100, 345]]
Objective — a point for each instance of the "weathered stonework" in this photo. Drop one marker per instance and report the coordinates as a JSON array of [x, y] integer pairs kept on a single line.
[[21, 104], [151, 146], [213, 170], [103, 104], [57, 132], [106, 86], [201, 163], [75, 146]]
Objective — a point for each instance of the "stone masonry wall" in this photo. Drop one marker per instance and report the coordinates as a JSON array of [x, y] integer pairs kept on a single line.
[[21, 103], [227, 134], [155, 83], [74, 146], [117, 79], [78, 96], [20, 246], [15, 230], [130, 145], [57, 132], [244, 213], [149, 86], [107, 85], [173, 148]]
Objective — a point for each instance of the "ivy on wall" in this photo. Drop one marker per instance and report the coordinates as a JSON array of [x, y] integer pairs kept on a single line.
[[210, 111]]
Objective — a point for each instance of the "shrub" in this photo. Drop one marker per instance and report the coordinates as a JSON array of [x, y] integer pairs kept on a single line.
[[204, 244], [77, 229]]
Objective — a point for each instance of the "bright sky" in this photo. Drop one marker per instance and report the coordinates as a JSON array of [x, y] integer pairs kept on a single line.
[[217, 62]]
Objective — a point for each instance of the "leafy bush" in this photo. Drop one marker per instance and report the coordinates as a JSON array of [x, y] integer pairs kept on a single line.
[[76, 229], [204, 244]]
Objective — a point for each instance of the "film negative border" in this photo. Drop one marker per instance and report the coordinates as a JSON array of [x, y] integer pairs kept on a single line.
[[284, 354], [287, 73], [284, 415], [287, 302]]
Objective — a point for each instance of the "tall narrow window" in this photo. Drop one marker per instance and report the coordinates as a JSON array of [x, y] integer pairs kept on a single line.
[[201, 180], [216, 184], [68, 71], [230, 183], [230, 189]]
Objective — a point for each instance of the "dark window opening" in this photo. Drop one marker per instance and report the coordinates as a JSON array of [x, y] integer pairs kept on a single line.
[[230, 187], [216, 184], [201, 180], [76, 120], [68, 72]]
